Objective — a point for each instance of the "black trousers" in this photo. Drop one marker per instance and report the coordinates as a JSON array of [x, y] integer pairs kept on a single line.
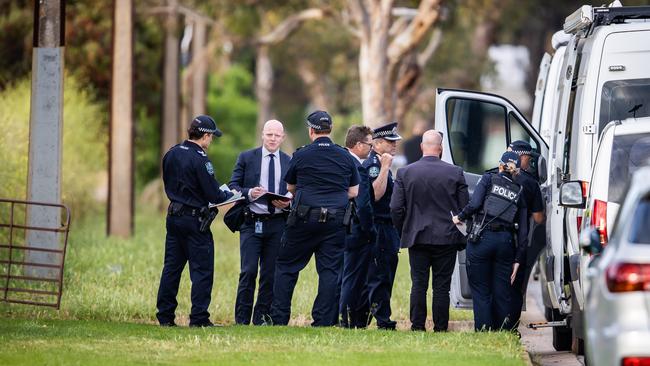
[[354, 305], [381, 274], [257, 250], [323, 240], [185, 243], [439, 260]]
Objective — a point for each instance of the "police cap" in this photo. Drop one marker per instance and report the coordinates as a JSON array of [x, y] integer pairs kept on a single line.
[[521, 147], [319, 120], [205, 124], [510, 157], [388, 132]]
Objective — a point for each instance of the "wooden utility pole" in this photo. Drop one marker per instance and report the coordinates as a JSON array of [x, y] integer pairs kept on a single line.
[[45, 130], [171, 84], [120, 191]]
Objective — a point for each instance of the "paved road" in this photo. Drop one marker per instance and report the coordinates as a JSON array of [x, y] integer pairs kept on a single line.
[[539, 343]]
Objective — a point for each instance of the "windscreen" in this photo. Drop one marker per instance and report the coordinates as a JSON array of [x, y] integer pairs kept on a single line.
[[640, 230]]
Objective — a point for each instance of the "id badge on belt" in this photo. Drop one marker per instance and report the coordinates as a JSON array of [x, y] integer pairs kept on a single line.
[[259, 227]]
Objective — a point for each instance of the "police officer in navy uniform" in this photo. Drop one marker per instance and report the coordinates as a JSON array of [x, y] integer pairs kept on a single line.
[[322, 177], [188, 176], [354, 306], [534, 202], [381, 274], [496, 243]]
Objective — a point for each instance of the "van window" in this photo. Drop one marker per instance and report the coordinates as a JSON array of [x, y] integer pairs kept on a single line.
[[518, 132], [477, 133], [629, 153], [640, 229], [619, 97]]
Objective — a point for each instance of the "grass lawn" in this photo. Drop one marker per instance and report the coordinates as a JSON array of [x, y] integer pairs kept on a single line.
[[109, 303], [95, 342]]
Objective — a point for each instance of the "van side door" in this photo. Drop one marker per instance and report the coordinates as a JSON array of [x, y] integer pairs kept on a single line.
[[477, 129]]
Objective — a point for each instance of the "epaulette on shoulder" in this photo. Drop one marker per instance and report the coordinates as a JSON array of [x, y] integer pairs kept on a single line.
[[202, 153], [340, 147], [493, 170], [301, 147]]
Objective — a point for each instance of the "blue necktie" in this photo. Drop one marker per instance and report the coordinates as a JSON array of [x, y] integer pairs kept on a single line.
[[271, 185]]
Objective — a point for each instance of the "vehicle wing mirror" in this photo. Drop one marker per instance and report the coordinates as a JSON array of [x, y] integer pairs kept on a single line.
[[590, 241], [571, 194]]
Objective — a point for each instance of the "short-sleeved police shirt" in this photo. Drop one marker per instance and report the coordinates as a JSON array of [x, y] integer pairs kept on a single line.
[[381, 208], [532, 193], [188, 176], [322, 173]]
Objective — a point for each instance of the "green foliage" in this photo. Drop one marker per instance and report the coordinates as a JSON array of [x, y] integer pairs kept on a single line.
[[15, 41], [232, 104], [32, 342], [84, 144]]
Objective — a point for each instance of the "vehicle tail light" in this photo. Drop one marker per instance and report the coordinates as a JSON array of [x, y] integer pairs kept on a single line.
[[579, 223], [599, 220], [585, 190], [635, 361], [627, 277]]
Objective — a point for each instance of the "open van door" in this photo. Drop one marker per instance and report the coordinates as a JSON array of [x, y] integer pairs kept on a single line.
[[540, 91], [477, 128]]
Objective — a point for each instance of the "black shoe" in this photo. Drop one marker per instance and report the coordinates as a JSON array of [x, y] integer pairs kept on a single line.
[[418, 329], [390, 325], [168, 324], [207, 324]]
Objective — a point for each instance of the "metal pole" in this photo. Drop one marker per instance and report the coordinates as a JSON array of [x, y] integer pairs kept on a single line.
[[120, 194], [46, 129]]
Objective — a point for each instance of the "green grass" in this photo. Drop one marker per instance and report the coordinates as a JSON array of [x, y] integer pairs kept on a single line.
[[108, 309], [101, 343], [117, 280]]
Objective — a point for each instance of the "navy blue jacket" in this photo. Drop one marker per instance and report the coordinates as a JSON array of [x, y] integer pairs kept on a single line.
[[322, 172], [246, 174], [478, 197], [188, 176]]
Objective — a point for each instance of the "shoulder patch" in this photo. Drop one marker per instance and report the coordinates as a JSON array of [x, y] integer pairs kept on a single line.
[[209, 168], [202, 153], [183, 147], [373, 171]]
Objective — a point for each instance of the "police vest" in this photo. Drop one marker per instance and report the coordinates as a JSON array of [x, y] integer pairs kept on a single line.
[[501, 199]]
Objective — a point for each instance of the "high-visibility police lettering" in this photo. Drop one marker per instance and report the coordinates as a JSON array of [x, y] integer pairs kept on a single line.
[[504, 192]]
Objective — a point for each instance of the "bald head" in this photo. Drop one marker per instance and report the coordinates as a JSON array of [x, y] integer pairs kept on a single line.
[[272, 135], [431, 143]]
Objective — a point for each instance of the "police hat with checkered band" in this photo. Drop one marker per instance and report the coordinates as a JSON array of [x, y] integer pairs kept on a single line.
[[388, 132], [510, 157], [205, 124], [319, 121], [521, 147]]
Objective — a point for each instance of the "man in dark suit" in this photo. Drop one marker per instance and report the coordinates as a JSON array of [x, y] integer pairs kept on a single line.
[[257, 172], [424, 197]]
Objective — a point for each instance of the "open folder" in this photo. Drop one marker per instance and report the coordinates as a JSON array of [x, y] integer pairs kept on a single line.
[[274, 196], [237, 196]]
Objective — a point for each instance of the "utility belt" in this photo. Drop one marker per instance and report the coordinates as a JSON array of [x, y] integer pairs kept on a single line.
[[179, 209], [254, 217], [314, 214], [500, 227]]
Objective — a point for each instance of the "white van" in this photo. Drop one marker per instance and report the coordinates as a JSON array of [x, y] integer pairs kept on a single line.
[[603, 76]]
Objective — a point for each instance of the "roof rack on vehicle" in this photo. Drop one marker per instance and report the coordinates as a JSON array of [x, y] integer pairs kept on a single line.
[[587, 16]]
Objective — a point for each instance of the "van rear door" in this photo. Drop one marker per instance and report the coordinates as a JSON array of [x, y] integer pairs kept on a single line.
[[477, 129]]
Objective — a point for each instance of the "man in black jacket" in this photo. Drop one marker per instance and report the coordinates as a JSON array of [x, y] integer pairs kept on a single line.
[[425, 194]]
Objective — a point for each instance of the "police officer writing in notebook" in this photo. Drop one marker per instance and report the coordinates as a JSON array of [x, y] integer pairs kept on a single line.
[[497, 242], [190, 185], [257, 172], [322, 177], [381, 274]]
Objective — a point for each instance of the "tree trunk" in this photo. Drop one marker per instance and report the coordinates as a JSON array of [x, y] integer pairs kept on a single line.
[[263, 85], [317, 91], [120, 196], [200, 73], [171, 93]]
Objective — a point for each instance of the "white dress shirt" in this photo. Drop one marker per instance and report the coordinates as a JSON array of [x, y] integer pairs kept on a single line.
[[261, 207]]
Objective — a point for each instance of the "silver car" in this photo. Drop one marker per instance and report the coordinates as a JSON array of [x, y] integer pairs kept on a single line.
[[617, 306]]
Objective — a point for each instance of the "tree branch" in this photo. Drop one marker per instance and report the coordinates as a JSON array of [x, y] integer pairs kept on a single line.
[[290, 24], [434, 41], [428, 14]]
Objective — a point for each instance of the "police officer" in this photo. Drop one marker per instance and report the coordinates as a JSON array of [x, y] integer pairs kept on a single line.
[[354, 306], [188, 176], [322, 177], [493, 257], [533, 196], [381, 274]]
